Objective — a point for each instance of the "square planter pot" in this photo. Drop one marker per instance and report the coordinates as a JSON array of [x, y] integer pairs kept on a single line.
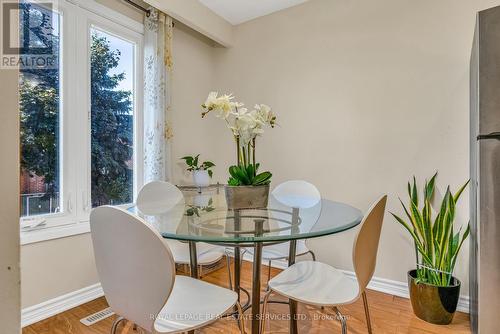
[[247, 197]]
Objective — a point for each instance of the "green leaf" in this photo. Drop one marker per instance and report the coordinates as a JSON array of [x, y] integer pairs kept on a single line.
[[414, 194], [459, 192], [233, 182], [262, 178], [251, 173], [404, 207], [210, 173], [242, 176], [189, 160], [407, 227], [233, 171], [208, 164], [455, 255], [417, 220], [429, 191]]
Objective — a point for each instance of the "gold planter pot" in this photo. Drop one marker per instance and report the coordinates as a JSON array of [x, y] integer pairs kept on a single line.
[[247, 197], [432, 303]]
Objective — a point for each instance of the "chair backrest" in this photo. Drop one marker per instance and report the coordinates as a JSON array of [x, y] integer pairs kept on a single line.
[[135, 267], [365, 248], [158, 197], [297, 194]]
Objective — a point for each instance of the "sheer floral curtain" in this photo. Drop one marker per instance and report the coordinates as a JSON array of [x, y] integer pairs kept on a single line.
[[157, 70]]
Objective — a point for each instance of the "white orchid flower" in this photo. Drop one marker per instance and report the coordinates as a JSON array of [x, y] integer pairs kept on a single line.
[[245, 124], [222, 105]]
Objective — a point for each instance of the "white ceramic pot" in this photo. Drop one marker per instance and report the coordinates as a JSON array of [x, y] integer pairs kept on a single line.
[[201, 178]]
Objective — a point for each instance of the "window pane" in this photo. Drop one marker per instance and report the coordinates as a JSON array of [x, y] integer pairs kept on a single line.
[[39, 91], [112, 112]]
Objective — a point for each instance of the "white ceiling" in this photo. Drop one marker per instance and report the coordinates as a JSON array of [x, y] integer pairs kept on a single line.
[[239, 11]]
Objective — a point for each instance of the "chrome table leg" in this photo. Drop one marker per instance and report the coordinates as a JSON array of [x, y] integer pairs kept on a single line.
[[293, 303], [229, 275], [193, 259], [237, 270], [257, 258]]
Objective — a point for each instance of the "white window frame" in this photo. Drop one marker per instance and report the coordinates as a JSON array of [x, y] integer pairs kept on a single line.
[[75, 111]]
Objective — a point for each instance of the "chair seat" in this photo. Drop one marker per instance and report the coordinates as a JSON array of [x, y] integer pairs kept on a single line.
[[192, 304], [207, 254], [315, 283], [280, 251]]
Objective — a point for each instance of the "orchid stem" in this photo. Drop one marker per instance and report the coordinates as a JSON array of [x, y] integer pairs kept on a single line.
[[238, 150], [253, 157]]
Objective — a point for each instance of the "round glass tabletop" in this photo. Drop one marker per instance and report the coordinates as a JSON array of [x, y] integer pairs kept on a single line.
[[205, 217]]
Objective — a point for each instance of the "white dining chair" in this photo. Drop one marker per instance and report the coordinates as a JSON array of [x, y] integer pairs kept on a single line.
[[316, 283], [159, 197], [295, 194], [137, 273]]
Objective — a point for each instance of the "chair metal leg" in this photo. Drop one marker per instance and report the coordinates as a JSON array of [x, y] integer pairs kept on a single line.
[[264, 311], [367, 313], [241, 318], [241, 257], [312, 255], [115, 324], [228, 264], [269, 270], [342, 319]]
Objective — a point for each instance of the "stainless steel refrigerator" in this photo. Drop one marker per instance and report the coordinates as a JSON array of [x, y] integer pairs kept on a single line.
[[485, 174]]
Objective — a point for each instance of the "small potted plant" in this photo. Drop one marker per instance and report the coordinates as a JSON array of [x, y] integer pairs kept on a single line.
[[246, 187], [434, 291], [201, 173]]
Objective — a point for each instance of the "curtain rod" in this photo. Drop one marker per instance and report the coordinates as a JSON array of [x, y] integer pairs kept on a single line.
[[145, 10]]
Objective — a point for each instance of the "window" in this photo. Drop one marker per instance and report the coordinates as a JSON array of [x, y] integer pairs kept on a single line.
[[112, 118], [39, 95], [80, 116]]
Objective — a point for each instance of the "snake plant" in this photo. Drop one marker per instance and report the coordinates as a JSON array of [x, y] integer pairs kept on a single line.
[[436, 243]]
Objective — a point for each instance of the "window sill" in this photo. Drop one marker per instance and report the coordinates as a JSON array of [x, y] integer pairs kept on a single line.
[[54, 232]]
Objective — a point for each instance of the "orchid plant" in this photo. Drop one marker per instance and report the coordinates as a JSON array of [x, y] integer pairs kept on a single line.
[[245, 125]]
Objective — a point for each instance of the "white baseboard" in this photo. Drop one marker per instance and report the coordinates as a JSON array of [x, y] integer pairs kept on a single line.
[[384, 285], [49, 308]]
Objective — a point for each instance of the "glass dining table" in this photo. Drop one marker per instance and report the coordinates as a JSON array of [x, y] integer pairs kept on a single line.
[[203, 216]]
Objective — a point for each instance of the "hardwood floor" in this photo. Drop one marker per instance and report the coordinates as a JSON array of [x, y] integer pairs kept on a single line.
[[390, 314]]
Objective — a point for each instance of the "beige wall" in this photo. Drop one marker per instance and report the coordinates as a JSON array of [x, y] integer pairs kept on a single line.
[[56, 267], [9, 197], [368, 93], [53, 268]]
